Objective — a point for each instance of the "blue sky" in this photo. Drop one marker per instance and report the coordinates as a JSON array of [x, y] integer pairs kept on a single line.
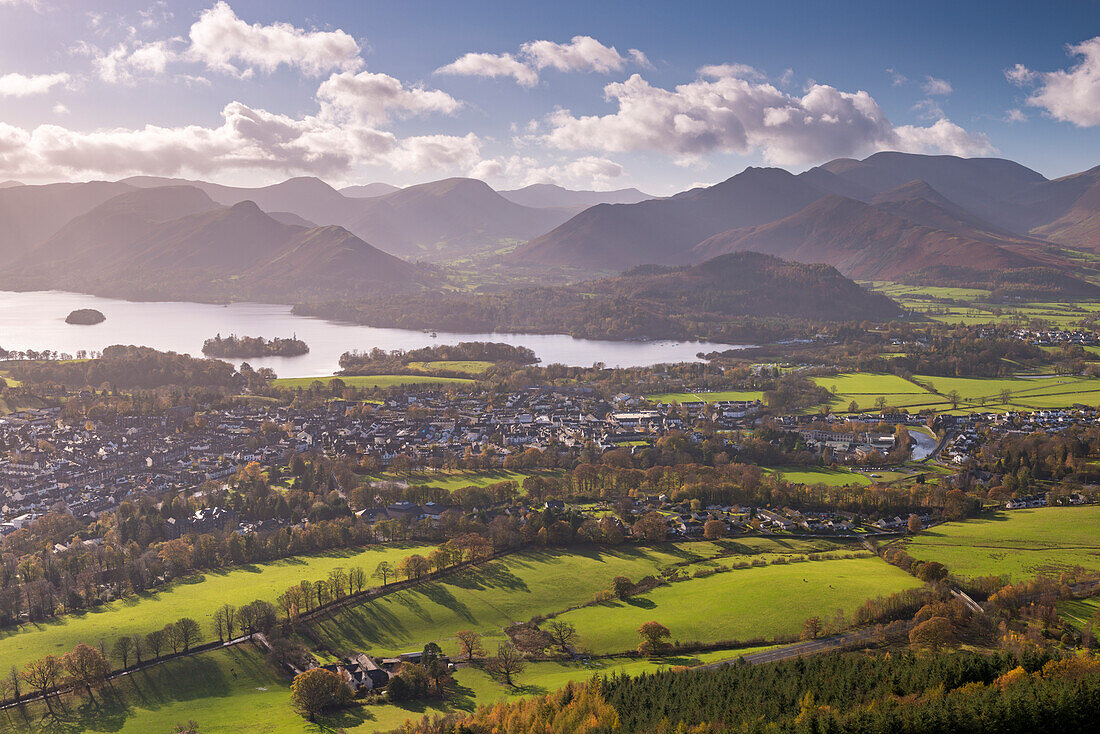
[[587, 94]]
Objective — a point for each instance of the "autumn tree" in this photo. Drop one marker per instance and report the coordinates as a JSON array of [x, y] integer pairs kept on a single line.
[[86, 666], [914, 524], [43, 675], [122, 649], [384, 571], [563, 634], [654, 638], [414, 567], [714, 529], [812, 628], [316, 690], [470, 643], [933, 633], [507, 664]]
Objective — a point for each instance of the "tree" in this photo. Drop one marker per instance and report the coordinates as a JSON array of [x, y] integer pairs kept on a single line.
[[932, 571], [122, 648], [224, 622], [812, 628], [933, 633], [914, 525], [507, 664], [714, 529], [316, 690], [853, 407], [384, 571], [471, 644], [86, 666], [189, 632], [139, 647], [155, 642], [651, 528], [654, 638], [414, 567], [43, 675], [563, 634], [954, 399], [621, 586]]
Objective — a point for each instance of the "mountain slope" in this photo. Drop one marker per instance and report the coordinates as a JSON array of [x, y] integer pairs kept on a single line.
[[128, 246], [454, 216], [368, 191], [861, 241], [1078, 224], [30, 214], [620, 236], [545, 196]]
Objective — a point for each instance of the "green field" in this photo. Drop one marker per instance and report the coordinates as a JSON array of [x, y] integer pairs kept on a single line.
[[369, 381], [865, 388], [452, 480], [1018, 543], [741, 604], [492, 596], [234, 691], [819, 475], [1079, 612], [467, 366], [705, 397], [196, 596]]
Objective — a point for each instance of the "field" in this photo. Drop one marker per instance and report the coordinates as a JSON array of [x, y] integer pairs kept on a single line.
[[864, 389], [1079, 612], [490, 597], [234, 691], [452, 480], [466, 366], [820, 475], [742, 604], [705, 397], [196, 596], [1017, 543], [369, 381]]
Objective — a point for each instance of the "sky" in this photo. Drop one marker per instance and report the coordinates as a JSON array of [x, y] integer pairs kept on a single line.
[[661, 96]]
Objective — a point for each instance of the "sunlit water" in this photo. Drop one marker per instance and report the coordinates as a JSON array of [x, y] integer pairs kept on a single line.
[[36, 320]]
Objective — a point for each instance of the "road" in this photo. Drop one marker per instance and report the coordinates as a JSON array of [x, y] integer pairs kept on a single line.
[[858, 638]]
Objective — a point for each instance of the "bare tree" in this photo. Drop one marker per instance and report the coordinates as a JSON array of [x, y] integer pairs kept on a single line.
[[507, 664], [563, 633], [471, 644]]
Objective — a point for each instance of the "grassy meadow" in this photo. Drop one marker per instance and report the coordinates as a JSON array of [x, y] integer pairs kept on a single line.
[[1017, 543], [741, 604], [705, 397], [195, 596], [820, 475], [370, 381], [451, 480]]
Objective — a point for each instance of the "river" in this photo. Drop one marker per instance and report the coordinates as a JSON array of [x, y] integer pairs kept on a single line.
[[36, 320]]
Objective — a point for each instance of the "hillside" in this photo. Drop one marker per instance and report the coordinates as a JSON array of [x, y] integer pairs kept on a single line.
[[744, 296], [367, 191], [446, 218], [551, 196], [30, 214], [861, 241], [174, 241], [620, 236]]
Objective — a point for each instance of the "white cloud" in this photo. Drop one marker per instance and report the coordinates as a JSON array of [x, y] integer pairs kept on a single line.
[[124, 63], [373, 98], [1071, 95], [226, 43], [936, 87], [60, 109], [491, 65], [1015, 115], [20, 85], [741, 71], [585, 172], [897, 78], [581, 54], [737, 115]]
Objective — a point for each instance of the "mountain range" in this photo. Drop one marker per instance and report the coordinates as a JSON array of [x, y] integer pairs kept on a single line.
[[890, 216]]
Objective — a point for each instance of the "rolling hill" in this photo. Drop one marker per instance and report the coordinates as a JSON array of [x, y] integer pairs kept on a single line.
[[30, 214], [544, 196], [175, 242], [368, 191]]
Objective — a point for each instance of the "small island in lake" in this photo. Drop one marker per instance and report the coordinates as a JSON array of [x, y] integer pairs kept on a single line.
[[248, 347], [85, 317]]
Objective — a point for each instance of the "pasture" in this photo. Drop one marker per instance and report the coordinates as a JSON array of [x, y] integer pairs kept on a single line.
[[819, 475], [758, 602], [195, 596], [369, 381], [705, 397], [452, 480], [466, 366], [1018, 543]]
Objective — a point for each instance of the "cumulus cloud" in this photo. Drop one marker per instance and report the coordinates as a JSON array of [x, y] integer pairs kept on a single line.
[[344, 133], [936, 87], [1015, 115], [373, 98], [1070, 95], [226, 43], [734, 114], [580, 54], [586, 172], [127, 61], [20, 85], [491, 65]]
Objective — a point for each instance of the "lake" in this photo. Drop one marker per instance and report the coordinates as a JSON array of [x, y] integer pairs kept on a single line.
[[36, 320]]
